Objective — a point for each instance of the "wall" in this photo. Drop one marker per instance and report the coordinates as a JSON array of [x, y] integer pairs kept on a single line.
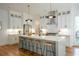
[[4, 20]]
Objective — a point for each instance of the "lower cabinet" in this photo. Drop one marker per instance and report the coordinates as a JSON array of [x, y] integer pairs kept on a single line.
[[13, 39]]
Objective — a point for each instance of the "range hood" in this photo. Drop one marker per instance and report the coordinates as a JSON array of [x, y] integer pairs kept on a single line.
[[52, 17]]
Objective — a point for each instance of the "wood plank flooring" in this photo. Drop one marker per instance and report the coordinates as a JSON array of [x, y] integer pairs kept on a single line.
[[12, 50], [68, 51], [72, 51]]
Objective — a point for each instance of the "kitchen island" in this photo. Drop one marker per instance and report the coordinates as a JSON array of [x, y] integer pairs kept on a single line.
[[43, 45]]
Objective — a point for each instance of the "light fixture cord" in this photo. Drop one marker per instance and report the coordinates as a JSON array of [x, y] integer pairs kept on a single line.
[[28, 10], [50, 6]]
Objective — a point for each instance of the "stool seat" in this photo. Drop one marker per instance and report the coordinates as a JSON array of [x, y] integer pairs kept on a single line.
[[48, 44], [37, 42]]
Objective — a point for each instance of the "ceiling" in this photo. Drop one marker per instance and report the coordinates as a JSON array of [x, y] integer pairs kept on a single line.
[[36, 8]]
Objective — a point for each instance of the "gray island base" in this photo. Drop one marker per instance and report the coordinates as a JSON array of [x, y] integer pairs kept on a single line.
[[43, 45]]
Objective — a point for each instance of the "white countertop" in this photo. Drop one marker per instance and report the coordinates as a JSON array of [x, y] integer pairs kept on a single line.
[[50, 38]]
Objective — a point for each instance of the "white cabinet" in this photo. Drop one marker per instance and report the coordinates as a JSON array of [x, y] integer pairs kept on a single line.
[[51, 28], [15, 20], [13, 39]]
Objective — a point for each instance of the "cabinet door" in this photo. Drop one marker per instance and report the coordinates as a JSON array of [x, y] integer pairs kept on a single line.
[[15, 20], [10, 39], [15, 23], [13, 39]]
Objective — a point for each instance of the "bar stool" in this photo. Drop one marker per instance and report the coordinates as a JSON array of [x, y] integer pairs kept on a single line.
[[38, 47], [20, 42], [32, 44], [25, 43], [28, 44], [49, 47]]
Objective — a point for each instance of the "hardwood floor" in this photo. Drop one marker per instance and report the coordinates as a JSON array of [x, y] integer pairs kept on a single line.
[[12, 50], [72, 51], [68, 51]]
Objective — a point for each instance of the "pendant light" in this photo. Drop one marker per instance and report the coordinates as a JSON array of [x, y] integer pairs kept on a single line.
[[28, 20], [51, 13]]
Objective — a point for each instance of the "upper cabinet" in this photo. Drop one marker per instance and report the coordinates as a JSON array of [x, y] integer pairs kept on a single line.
[[64, 18], [15, 20]]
